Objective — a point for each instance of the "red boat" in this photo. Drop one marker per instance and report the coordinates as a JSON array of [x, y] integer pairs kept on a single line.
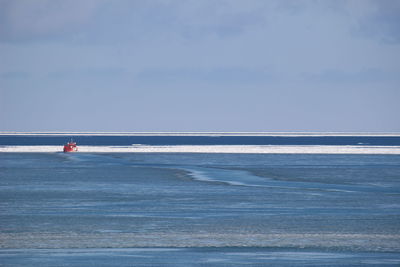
[[70, 147]]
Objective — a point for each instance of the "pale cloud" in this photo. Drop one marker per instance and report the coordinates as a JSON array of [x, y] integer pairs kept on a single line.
[[222, 76], [26, 20], [159, 56], [383, 23], [363, 76], [102, 21]]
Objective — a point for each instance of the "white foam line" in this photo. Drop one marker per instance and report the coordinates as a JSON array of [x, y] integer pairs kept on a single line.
[[287, 134], [249, 149]]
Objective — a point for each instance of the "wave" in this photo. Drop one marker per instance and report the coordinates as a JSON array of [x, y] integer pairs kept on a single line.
[[245, 178], [244, 149], [370, 242]]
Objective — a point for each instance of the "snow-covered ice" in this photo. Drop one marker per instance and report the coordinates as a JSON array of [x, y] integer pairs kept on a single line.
[[244, 149]]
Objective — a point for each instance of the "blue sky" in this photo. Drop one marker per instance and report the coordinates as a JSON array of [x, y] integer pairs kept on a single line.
[[189, 65]]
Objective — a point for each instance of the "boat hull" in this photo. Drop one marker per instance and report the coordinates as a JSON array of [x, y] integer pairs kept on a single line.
[[70, 148]]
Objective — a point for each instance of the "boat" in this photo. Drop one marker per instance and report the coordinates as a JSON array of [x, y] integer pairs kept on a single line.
[[70, 147]]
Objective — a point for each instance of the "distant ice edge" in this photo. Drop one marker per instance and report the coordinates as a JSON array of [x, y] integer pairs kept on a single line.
[[283, 134], [244, 149]]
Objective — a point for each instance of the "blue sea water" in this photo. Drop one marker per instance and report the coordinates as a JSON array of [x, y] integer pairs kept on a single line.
[[184, 209], [109, 140]]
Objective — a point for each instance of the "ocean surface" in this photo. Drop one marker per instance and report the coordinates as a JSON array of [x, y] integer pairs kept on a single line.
[[214, 139], [199, 209]]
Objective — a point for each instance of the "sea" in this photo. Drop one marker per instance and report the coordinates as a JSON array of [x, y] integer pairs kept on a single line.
[[200, 199]]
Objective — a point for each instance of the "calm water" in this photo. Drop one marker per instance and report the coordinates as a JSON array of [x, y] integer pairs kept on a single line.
[[137, 209], [202, 140]]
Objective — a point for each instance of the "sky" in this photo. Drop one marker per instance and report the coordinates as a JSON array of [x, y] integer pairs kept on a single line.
[[210, 65]]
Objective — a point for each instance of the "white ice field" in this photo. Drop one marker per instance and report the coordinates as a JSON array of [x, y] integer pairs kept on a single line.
[[249, 149]]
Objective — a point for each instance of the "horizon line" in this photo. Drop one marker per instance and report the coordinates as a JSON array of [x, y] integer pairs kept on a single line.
[[201, 133]]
